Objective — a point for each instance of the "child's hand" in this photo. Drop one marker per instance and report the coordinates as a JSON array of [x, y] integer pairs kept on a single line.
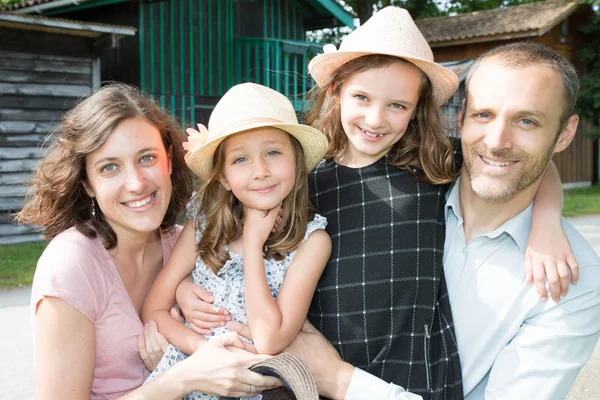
[[196, 305], [151, 345], [258, 225], [550, 257]]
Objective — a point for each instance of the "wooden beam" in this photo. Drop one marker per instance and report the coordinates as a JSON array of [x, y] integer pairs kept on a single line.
[[15, 239], [11, 203], [45, 90], [14, 178], [13, 191], [17, 165], [20, 127], [24, 76], [11, 153]]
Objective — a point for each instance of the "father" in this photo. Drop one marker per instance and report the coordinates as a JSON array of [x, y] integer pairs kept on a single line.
[[518, 113]]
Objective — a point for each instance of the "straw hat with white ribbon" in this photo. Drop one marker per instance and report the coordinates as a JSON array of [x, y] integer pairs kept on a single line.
[[244, 107], [391, 32]]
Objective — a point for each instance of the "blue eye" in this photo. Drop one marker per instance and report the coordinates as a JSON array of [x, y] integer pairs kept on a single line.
[[527, 121], [360, 97], [108, 168], [273, 153], [147, 159], [397, 106], [482, 115], [240, 160]]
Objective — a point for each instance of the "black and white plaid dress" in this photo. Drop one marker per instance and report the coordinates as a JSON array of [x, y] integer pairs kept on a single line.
[[382, 300]]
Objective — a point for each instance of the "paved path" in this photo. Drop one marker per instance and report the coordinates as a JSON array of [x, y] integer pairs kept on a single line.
[[16, 353]]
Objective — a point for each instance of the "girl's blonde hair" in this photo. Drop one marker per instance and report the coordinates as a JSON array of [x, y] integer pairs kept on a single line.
[[425, 144], [57, 199], [223, 213]]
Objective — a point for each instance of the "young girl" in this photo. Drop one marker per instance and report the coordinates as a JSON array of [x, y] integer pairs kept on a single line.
[[382, 300], [252, 162]]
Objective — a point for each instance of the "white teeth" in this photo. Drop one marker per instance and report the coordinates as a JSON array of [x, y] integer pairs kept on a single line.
[[140, 203], [496, 163], [373, 135]]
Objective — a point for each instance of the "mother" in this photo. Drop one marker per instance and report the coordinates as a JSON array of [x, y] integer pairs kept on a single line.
[[109, 194]]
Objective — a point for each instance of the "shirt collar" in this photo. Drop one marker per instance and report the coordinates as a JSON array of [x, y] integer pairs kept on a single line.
[[518, 227]]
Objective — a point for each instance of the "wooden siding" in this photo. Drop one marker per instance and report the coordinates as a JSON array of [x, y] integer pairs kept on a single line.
[[39, 80]]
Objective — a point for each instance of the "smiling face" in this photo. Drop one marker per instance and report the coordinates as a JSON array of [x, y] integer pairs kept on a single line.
[[511, 127], [376, 107], [129, 177], [259, 167]]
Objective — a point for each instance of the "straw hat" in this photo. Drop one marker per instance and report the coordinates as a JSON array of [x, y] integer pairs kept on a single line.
[[391, 32], [299, 382], [244, 107]]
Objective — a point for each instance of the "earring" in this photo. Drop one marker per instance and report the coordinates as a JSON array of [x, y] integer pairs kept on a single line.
[[93, 206]]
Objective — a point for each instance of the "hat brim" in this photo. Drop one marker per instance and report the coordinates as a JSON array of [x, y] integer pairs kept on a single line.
[[313, 142], [295, 375], [444, 82]]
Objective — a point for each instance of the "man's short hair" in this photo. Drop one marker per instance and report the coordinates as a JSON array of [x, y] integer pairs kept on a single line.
[[524, 54]]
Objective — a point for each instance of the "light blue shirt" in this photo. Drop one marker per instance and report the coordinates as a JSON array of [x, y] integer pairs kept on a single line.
[[511, 344]]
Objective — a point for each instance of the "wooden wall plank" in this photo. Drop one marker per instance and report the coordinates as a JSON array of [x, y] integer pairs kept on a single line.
[[17, 114], [26, 76], [14, 178], [9, 153], [24, 140], [21, 127], [13, 191], [37, 56], [11, 203], [43, 65], [17, 165], [15, 239], [45, 90], [34, 102]]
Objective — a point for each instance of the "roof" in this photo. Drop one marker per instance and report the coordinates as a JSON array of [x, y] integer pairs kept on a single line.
[[62, 26], [526, 20], [319, 13]]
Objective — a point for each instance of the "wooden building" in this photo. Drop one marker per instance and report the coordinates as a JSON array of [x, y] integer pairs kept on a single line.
[[458, 40], [46, 65], [189, 52]]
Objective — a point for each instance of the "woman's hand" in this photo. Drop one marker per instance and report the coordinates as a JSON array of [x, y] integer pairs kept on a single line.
[[258, 225], [151, 345], [196, 305], [221, 367]]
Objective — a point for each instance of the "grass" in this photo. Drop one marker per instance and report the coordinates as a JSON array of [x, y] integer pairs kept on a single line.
[[580, 202], [17, 263]]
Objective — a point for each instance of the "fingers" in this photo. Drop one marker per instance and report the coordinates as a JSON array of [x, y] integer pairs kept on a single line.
[[241, 329], [539, 277], [278, 220], [152, 347], [574, 267], [553, 281], [227, 339], [176, 315], [141, 345], [203, 294], [562, 270], [528, 268]]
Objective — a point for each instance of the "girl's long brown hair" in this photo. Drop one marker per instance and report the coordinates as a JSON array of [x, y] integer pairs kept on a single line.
[[57, 200], [425, 144], [223, 214]]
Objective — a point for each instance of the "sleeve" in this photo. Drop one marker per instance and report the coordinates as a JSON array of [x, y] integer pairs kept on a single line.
[[549, 349], [366, 386], [69, 270], [318, 222]]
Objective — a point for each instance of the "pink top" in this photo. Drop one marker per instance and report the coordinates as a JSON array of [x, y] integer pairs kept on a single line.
[[79, 271]]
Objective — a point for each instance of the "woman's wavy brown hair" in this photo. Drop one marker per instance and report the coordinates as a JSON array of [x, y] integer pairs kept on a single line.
[[57, 200], [425, 145], [224, 213]]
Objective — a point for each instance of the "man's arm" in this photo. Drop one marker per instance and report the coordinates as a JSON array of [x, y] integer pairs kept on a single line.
[[545, 356], [336, 379]]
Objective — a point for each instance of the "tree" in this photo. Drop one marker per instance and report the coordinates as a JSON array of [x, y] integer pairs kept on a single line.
[[364, 9]]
